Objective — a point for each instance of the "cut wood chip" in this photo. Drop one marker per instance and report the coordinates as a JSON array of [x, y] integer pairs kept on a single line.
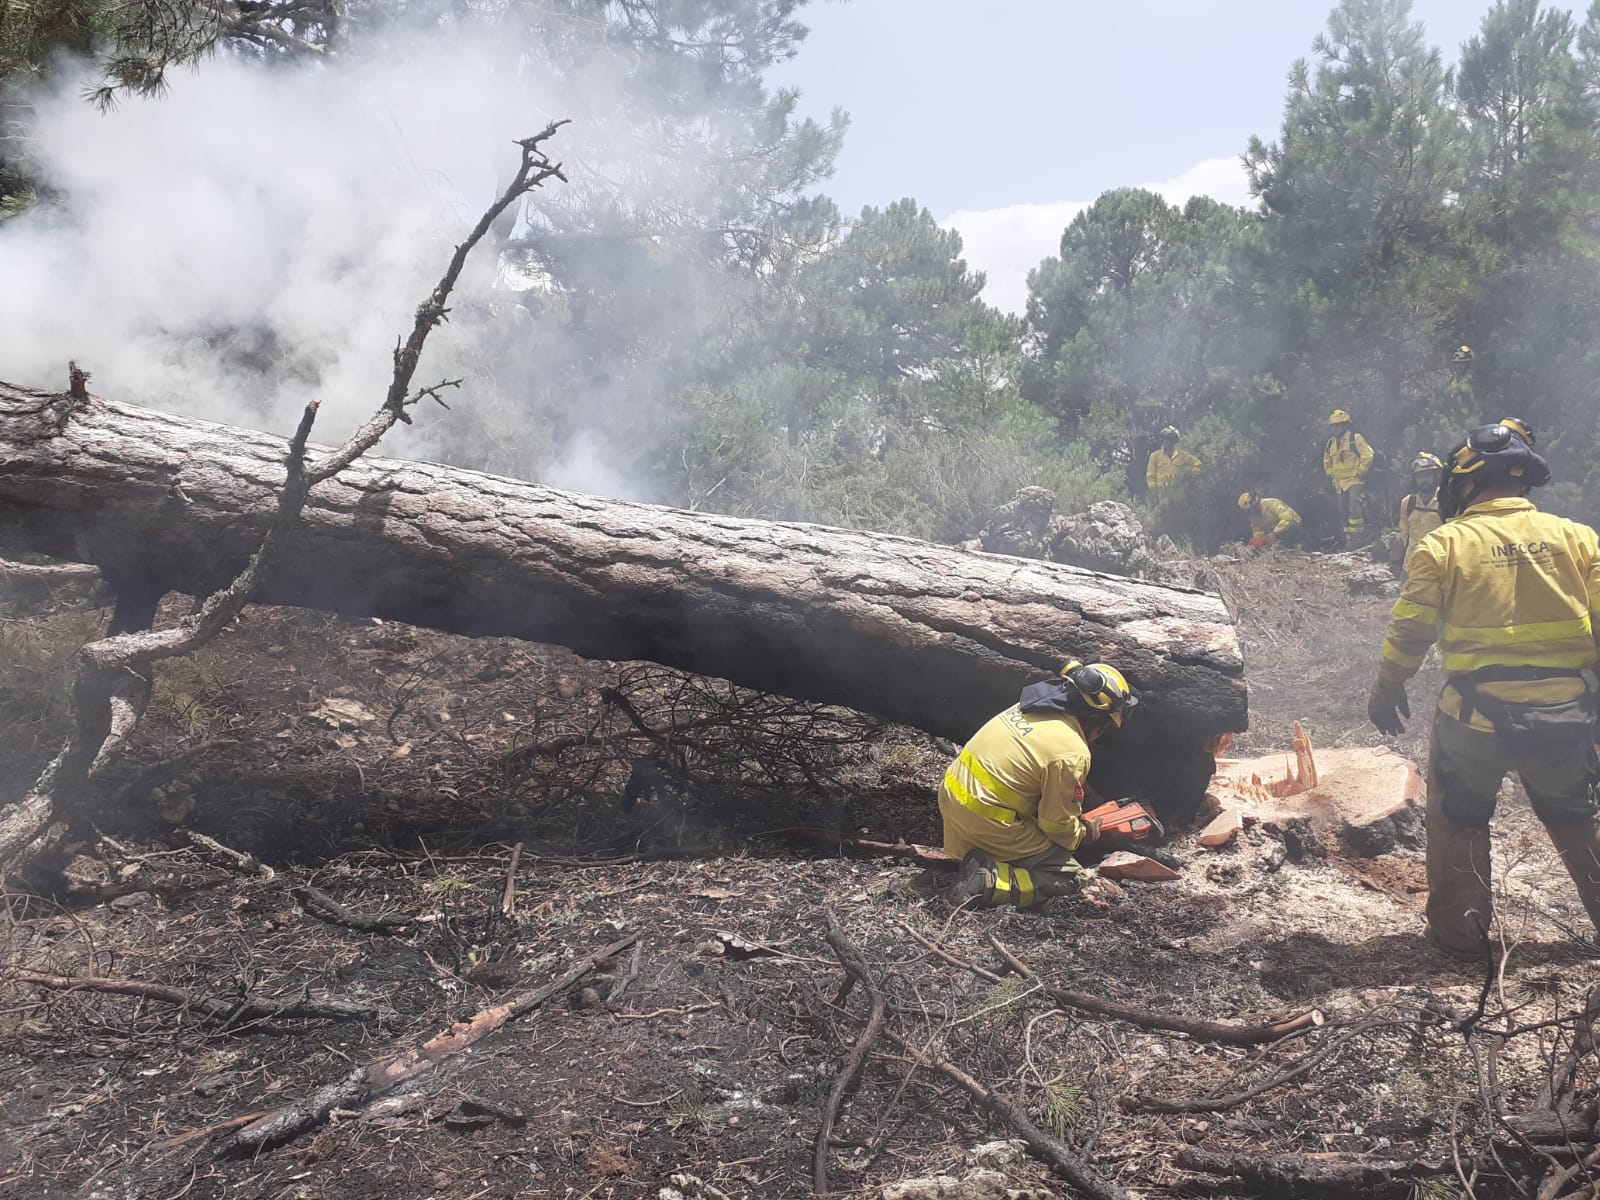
[[1124, 864], [1224, 827]]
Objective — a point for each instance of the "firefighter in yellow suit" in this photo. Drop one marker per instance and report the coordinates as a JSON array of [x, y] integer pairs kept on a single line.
[[1012, 801], [1168, 466], [1271, 520], [1512, 596], [1346, 459], [1419, 510]]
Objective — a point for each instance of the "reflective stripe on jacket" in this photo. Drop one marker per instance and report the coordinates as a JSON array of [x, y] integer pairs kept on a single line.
[[1347, 459], [1272, 516], [1162, 472], [1417, 520], [1502, 585], [1016, 788]]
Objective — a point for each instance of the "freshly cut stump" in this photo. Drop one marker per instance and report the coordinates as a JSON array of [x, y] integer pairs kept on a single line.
[[1371, 797]]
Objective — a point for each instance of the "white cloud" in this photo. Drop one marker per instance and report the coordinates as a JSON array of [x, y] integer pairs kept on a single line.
[[1006, 243]]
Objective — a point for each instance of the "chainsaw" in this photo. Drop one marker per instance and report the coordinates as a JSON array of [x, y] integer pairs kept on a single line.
[[1125, 823]]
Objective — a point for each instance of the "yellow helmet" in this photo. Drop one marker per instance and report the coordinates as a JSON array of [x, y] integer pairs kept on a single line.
[[1426, 461], [1102, 688], [1247, 500], [1338, 417], [1522, 428]]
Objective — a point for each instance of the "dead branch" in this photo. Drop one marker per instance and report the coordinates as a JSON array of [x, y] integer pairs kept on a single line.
[[59, 575], [325, 908], [1071, 1168], [508, 897], [231, 1012], [1557, 1089], [245, 862], [1557, 1181], [855, 968], [1210, 1031], [1303, 1065], [376, 1078], [940, 952], [106, 700], [1309, 1174]]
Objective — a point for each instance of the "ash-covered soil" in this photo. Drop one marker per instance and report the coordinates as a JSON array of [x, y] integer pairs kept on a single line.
[[394, 770]]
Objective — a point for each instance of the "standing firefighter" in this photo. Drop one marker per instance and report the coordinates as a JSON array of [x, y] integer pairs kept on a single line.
[[1419, 510], [1511, 595], [1271, 520], [1346, 460], [1012, 801], [1168, 466]]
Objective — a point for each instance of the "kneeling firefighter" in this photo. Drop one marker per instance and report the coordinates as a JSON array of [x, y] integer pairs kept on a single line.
[[1012, 801], [1512, 596], [1271, 520]]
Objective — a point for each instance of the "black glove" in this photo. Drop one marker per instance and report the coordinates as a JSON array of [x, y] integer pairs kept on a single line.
[[1386, 706]]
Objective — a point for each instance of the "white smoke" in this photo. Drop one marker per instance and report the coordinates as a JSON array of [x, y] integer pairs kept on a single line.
[[311, 209], [259, 237]]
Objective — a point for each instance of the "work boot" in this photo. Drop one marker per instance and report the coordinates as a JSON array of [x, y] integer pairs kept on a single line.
[[974, 882], [982, 882], [1579, 847], [1460, 904]]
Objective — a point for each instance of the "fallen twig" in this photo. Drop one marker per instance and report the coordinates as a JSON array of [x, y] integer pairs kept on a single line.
[[230, 1011], [1211, 1031], [325, 908], [851, 959], [1303, 1065], [625, 980], [376, 1078], [1072, 1168], [245, 862], [508, 898]]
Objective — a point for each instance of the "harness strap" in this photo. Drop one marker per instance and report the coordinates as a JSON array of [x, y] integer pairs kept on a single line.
[[1466, 685]]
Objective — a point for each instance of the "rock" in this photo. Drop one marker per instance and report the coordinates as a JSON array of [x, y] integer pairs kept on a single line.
[[1108, 537], [339, 713], [1371, 581], [1124, 864], [1224, 827], [976, 1185], [133, 901], [1020, 526]]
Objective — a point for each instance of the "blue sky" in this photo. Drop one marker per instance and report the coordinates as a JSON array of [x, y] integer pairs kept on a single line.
[[1005, 117]]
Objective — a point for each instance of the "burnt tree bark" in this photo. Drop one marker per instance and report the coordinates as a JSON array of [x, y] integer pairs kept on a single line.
[[926, 635]]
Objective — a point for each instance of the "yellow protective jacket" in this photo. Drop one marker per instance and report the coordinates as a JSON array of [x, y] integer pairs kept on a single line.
[[1418, 518], [1347, 459], [1016, 789], [1163, 471], [1272, 516], [1502, 585]]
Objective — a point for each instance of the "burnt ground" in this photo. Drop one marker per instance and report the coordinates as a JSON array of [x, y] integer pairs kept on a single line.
[[394, 770]]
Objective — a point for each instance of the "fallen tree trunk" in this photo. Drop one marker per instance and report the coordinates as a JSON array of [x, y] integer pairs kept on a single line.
[[925, 635]]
